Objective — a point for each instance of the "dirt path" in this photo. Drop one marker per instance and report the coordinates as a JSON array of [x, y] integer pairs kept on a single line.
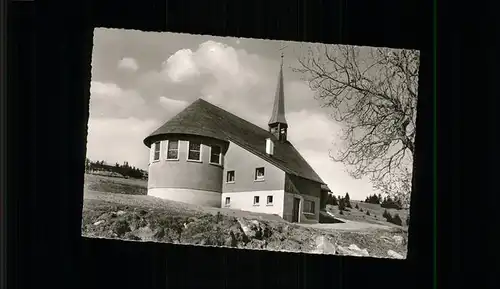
[[349, 226]]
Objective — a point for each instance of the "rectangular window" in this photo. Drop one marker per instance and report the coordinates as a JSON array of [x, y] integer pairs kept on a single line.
[[256, 200], [156, 151], [227, 202], [215, 154], [259, 174], [194, 151], [269, 200], [173, 150], [308, 207], [230, 177]]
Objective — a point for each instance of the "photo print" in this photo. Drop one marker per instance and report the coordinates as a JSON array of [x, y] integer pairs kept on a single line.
[[250, 143]]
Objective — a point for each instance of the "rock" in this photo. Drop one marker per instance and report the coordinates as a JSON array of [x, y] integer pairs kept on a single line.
[[228, 242], [99, 222], [120, 227], [252, 229], [363, 252], [257, 244], [395, 255], [145, 233], [398, 239], [131, 236], [141, 212], [120, 213], [245, 227], [323, 246], [353, 250], [385, 238]]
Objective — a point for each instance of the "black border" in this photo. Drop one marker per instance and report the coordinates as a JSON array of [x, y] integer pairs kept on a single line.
[[3, 150], [49, 216]]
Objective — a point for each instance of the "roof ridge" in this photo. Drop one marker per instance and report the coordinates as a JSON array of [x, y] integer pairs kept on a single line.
[[234, 115]]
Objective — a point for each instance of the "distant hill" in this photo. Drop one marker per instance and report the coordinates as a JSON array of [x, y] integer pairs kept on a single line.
[[116, 170], [375, 216]]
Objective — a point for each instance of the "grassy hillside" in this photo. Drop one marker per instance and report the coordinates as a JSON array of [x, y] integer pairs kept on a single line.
[[115, 185], [134, 216], [375, 217]]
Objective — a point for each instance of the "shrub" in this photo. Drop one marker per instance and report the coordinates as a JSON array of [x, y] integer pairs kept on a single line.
[[347, 201], [387, 216], [367, 213], [218, 217], [357, 207], [391, 203], [341, 204], [341, 212], [373, 199], [332, 200], [397, 220], [361, 209]]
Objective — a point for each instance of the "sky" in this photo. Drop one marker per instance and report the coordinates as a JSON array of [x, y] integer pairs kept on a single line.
[[142, 79]]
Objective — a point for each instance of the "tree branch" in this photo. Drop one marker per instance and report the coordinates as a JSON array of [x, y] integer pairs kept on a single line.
[[374, 96]]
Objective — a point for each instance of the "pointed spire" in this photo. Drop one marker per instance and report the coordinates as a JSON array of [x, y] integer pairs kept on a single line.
[[278, 114]]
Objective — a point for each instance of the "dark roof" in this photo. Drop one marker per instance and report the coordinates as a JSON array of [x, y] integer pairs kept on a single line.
[[205, 119]]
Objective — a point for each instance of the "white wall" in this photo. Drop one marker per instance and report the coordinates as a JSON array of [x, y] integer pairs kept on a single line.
[[244, 201], [244, 163]]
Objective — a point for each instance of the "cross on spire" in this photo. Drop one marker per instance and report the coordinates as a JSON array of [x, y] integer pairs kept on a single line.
[[282, 53]]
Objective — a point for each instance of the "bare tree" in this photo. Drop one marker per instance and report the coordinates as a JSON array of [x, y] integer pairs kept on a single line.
[[373, 94]]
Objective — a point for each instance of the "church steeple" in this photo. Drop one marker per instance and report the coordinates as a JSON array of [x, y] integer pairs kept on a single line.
[[277, 123]]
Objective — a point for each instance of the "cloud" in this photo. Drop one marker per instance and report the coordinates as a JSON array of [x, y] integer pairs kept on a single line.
[[119, 140], [227, 77], [172, 105], [180, 66], [218, 60], [100, 89], [108, 99], [311, 130], [334, 175], [128, 63]]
